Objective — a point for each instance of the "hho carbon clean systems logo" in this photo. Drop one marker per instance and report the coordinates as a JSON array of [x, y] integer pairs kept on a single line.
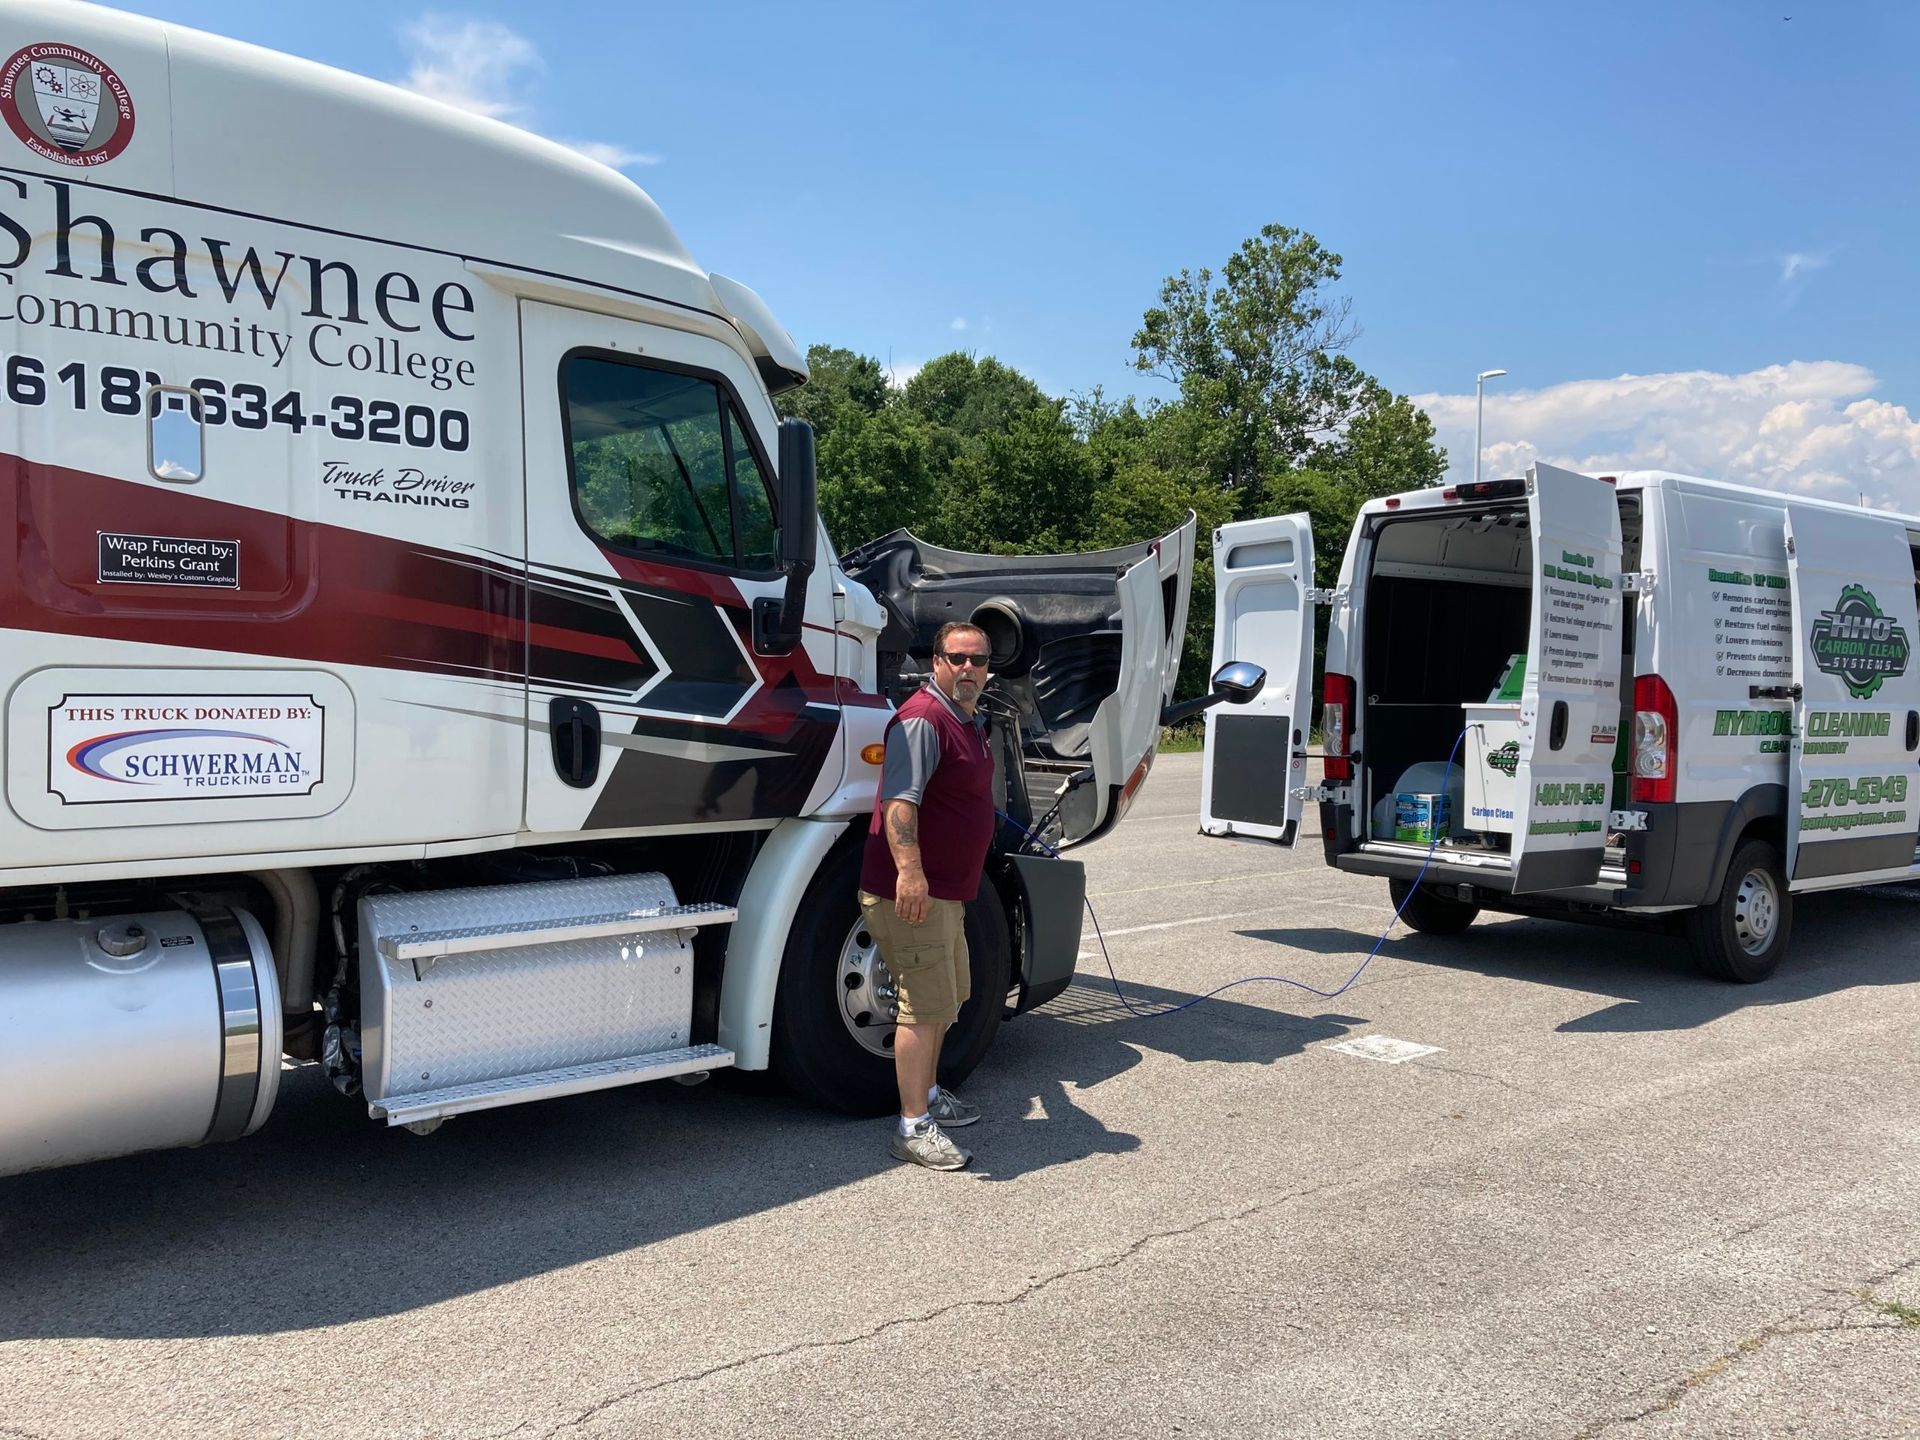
[[1859, 643], [66, 104]]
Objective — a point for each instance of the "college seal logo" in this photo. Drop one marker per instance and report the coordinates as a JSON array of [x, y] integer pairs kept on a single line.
[[66, 104], [1859, 644]]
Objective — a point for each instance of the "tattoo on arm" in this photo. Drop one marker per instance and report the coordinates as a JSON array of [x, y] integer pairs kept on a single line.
[[903, 825]]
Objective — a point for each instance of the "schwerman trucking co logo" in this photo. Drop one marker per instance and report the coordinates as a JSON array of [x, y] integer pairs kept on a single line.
[[1856, 642]]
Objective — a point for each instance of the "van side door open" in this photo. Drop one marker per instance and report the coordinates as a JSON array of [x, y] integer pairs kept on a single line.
[[1854, 780], [1570, 707], [1256, 757]]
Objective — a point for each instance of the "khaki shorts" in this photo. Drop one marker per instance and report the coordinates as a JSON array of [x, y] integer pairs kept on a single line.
[[928, 961]]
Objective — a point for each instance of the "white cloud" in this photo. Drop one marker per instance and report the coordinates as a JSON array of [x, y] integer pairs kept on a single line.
[[1812, 427], [474, 65], [899, 374], [959, 323], [1798, 262], [607, 153], [486, 68]]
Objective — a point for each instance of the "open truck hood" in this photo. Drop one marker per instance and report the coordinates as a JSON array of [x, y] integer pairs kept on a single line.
[[1086, 649]]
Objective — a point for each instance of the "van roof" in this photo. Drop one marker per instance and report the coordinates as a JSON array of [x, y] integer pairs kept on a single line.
[[1432, 498], [260, 133]]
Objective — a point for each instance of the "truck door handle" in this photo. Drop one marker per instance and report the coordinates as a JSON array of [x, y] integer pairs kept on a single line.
[[574, 727], [1557, 728], [1913, 731]]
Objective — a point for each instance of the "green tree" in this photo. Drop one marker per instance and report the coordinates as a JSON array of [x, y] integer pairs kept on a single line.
[[876, 462], [877, 475], [841, 387], [1271, 416], [1027, 489], [971, 397], [1257, 357], [1271, 410], [1385, 446]]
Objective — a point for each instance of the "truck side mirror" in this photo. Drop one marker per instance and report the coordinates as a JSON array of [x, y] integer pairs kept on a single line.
[[1238, 681], [1235, 682], [799, 498], [777, 623]]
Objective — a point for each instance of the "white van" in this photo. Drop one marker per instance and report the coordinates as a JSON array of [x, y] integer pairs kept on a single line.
[[1619, 697]]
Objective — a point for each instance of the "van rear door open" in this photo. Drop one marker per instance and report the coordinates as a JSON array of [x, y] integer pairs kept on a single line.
[[1256, 757], [1855, 778], [1570, 707]]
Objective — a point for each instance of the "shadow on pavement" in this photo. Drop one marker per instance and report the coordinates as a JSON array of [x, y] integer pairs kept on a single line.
[[326, 1217], [1841, 941], [1088, 1036], [1319, 940]]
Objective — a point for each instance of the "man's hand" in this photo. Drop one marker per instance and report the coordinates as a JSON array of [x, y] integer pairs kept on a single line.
[[903, 838], [910, 897]]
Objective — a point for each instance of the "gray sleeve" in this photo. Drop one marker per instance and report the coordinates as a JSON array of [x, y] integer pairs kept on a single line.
[[913, 749]]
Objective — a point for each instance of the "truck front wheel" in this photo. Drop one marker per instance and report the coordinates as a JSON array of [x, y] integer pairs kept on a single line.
[[833, 1013], [1429, 913], [1743, 935]]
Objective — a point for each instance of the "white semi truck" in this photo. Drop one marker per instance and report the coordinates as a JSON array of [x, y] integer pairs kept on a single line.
[[422, 654]]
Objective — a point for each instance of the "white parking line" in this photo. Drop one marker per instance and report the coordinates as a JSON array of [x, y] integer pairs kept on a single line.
[[1384, 1048], [1185, 884], [1174, 924]]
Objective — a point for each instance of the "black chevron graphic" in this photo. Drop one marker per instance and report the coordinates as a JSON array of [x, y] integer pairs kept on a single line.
[[704, 671]]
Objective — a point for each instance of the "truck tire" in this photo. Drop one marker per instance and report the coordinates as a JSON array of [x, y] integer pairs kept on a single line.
[[1429, 913], [819, 1051], [1743, 935]]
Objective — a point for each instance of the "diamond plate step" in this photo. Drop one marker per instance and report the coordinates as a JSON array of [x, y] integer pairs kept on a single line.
[[572, 1080], [431, 945]]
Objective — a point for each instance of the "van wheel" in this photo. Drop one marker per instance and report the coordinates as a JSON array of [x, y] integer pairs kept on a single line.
[[1429, 913], [834, 1007], [1743, 935]]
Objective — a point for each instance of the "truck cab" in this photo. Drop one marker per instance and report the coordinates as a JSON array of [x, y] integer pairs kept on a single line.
[[424, 657]]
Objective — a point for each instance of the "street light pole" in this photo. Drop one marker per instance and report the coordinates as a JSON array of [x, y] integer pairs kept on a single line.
[[1479, 409]]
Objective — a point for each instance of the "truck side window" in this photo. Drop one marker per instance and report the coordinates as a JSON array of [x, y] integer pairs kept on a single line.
[[756, 508], [657, 458]]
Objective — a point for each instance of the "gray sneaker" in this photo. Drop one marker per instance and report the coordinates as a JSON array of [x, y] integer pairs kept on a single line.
[[928, 1145], [951, 1111]]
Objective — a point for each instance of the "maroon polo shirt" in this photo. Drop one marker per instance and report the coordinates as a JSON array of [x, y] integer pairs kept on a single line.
[[955, 798]]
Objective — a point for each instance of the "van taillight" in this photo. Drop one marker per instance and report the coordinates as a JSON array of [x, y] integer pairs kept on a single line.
[[1336, 724], [1656, 740]]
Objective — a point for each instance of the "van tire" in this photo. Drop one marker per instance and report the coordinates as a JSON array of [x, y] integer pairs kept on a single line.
[[1743, 935], [1429, 913], [812, 1051]]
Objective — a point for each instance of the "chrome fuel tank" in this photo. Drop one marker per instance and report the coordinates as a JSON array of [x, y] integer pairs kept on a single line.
[[135, 1032]]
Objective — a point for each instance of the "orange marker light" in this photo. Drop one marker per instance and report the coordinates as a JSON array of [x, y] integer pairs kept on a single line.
[[873, 754]]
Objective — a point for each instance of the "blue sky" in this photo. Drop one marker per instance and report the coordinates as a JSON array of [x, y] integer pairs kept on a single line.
[[1688, 231]]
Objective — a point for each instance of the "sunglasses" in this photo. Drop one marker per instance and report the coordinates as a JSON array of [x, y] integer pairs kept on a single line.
[[965, 657]]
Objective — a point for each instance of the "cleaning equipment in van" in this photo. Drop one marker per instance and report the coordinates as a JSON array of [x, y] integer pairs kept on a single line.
[[1423, 777], [1419, 817], [1134, 1010], [1493, 754], [1512, 682]]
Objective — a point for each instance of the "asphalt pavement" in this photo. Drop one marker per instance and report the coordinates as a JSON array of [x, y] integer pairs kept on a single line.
[[1612, 1199]]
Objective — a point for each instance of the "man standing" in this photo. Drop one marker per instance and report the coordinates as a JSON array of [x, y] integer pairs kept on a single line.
[[926, 848]]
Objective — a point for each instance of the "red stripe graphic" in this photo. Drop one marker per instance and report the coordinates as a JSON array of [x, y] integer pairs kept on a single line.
[[331, 594]]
